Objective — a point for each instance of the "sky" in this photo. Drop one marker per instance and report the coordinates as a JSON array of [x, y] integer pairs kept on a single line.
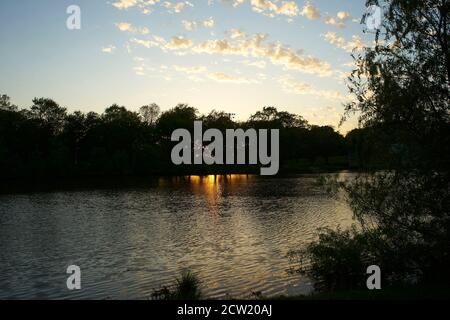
[[231, 55]]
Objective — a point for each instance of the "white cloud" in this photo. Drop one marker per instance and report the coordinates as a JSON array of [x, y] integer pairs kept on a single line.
[[189, 25], [310, 12], [209, 23], [261, 64], [145, 43], [109, 49], [271, 8], [193, 25], [303, 88], [223, 77], [176, 7], [201, 73], [342, 15], [125, 4], [236, 34], [144, 5], [254, 46], [128, 27], [289, 9], [339, 20], [355, 44], [177, 43], [237, 3], [190, 70]]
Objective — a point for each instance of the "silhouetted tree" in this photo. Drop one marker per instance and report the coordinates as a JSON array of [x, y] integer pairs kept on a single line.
[[182, 116], [402, 88], [150, 113], [218, 119], [5, 103], [270, 117], [49, 113]]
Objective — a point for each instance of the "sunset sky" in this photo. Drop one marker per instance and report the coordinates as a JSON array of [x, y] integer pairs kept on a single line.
[[232, 55]]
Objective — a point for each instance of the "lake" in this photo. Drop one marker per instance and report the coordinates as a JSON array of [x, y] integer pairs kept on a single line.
[[233, 232]]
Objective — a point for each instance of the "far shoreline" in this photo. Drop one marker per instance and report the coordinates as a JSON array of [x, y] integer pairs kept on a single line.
[[89, 182]]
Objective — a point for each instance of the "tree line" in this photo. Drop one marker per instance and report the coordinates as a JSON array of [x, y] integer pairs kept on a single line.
[[46, 141]]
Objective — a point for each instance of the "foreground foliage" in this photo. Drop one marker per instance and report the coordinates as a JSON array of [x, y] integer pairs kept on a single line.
[[187, 287], [402, 86]]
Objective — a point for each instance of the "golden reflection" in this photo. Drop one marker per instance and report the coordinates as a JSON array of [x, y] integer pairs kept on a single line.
[[211, 187]]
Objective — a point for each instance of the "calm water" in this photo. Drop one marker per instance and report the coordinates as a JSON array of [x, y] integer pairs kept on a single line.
[[233, 232]]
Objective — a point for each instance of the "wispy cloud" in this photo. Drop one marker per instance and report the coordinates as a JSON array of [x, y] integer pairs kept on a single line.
[[201, 73], [339, 20], [176, 7], [255, 46], [128, 27], [193, 25], [261, 64], [144, 5], [223, 77], [109, 49], [355, 44], [272, 8], [303, 88]]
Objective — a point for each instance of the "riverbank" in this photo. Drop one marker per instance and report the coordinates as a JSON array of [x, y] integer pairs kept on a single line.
[[31, 185]]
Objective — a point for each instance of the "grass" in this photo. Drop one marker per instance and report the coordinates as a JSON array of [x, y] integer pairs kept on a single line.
[[187, 287]]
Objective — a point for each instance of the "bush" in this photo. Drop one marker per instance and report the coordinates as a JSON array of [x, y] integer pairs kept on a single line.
[[338, 260]]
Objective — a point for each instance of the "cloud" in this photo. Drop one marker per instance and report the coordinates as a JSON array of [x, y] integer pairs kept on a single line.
[[237, 3], [261, 64], [128, 27], [125, 4], [256, 46], [176, 7], [201, 73], [209, 23], [193, 25], [139, 70], [190, 70], [145, 43], [144, 5], [303, 88], [289, 9], [236, 34], [342, 15], [271, 8], [109, 49], [177, 43], [223, 77], [339, 20], [334, 22], [248, 46], [189, 25], [355, 44], [310, 12]]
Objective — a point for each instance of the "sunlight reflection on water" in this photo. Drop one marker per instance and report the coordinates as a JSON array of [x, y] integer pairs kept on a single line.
[[233, 231]]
